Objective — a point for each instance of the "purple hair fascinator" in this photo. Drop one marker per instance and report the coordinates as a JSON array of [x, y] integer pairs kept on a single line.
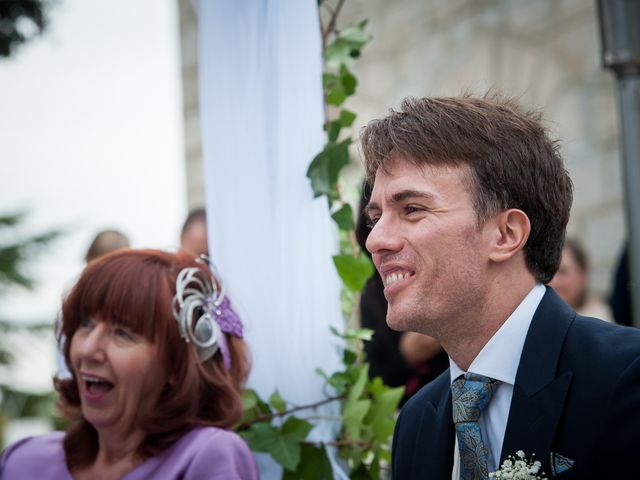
[[203, 313]]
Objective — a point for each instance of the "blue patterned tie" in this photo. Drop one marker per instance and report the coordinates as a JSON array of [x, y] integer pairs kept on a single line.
[[470, 396]]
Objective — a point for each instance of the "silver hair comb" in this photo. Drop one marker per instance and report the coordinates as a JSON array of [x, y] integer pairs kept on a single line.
[[203, 313]]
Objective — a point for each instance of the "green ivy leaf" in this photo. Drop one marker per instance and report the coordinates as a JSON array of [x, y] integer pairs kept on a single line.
[[346, 118], [321, 372], [277, 402], [328, 79], [337, 53], [348, 81], [283, 444], [253, 406], [347, 45], [361, 473], [325, 168], [294, 431], [355, 35], [337, 94], [353, 333], [384, 455], [382, 414], [349, 357], [314, 465], [376, 387], [261, 436], [333, 130], [354, 271], [352, 417], [344, 217], [361, 382], [339, 381], [249, 399]]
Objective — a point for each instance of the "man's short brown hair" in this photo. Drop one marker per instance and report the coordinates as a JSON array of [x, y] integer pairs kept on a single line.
[[513, 162]]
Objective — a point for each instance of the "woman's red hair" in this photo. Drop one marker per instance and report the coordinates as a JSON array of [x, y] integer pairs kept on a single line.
[[135, 288]]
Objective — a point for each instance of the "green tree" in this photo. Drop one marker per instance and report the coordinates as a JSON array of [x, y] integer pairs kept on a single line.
[[15, 253], [20, 21]]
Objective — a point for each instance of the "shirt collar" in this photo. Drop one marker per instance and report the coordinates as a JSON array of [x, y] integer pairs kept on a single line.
[[500, 356]]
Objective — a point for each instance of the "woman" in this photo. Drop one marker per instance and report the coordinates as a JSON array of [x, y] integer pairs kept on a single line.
[[158, 363], [571, 282]]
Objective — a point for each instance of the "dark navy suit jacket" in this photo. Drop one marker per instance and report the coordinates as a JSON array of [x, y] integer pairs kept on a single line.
[[576, 394]]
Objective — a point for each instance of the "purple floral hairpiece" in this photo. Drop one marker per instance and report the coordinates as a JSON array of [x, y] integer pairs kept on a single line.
[[203, 312]]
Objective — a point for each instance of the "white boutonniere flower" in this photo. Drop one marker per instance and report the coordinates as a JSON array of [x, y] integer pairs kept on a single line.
[[519, 468]]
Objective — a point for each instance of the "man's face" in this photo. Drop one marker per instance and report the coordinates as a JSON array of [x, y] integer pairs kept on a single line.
[[428, 248]]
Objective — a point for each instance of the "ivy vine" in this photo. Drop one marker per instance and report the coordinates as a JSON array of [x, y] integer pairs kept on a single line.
[[367, 407]]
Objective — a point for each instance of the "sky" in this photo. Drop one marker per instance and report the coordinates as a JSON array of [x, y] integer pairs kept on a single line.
[[91, 137]]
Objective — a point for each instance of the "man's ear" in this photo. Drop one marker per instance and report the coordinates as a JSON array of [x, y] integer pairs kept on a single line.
[[510, 233]]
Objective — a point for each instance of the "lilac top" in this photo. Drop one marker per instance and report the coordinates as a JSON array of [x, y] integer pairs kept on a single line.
[[202, 453]]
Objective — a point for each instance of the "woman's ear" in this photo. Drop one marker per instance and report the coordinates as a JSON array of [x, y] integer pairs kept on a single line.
[[510, 234]]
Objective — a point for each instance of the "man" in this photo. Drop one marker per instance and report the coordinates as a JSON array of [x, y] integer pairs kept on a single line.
[[405, 359], [193, 237], [470, 204]]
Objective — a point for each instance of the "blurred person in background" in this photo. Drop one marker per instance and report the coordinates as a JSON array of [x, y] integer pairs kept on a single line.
[[193, 237], [406, 359], [105, 242], [158, 365], [572, 280]]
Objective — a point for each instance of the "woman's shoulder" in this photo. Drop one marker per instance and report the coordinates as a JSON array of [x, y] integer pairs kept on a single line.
[[27, 458], [204, 452], [212, 442]]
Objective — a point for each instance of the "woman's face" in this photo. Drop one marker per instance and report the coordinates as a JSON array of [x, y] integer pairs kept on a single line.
[[570, 280], [118, 372]]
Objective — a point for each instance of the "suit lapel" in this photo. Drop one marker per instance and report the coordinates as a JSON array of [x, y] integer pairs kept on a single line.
[[538, 395], [434, 458]]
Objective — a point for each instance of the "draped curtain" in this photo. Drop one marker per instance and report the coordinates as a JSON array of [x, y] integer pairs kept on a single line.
[[261, 110]]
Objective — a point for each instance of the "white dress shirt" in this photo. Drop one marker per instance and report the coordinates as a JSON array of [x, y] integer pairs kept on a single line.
[[499, 359]]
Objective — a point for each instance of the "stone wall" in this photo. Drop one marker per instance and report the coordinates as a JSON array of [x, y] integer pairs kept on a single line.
[[190, 108], [546, 52]]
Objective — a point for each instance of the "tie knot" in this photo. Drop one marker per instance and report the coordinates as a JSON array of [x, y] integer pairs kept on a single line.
[[470, 396]]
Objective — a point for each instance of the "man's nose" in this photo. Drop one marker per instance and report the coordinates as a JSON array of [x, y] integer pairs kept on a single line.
[[384, 237]]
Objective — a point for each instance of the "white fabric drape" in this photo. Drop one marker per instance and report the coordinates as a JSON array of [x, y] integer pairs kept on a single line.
[[260, 73]]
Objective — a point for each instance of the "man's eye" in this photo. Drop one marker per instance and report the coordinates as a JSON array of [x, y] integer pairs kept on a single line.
[[412, 209], [371, 222]]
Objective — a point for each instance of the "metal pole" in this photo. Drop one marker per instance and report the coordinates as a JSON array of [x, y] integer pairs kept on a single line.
[[629, 96], [620, 29]]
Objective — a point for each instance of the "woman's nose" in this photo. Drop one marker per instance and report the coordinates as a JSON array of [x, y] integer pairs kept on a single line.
[[93, 343]]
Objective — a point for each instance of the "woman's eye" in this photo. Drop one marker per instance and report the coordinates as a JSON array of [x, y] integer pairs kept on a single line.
[[86, 323], [123, 333]]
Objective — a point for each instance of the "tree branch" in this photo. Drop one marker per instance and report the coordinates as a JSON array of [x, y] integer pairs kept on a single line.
[[271, 416], [332, 25]]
